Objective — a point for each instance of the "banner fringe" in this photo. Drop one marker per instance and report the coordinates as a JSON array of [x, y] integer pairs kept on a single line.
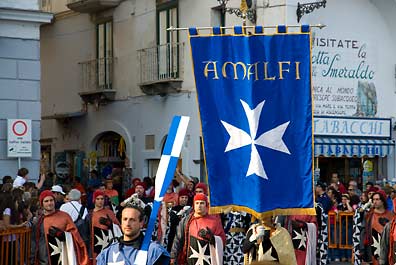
[[288, 211]]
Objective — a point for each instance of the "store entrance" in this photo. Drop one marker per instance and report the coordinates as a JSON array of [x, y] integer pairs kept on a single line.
[[110, 151], [346, 167]]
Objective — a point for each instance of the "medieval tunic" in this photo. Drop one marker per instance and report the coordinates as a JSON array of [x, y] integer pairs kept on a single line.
[[358, 226], [124, 252], [236, 224], [45, 248], [189, 247], [163, 225], [298, 229], [323, 243], [176, 214], [101, 235], [374, 225], [170, 200]]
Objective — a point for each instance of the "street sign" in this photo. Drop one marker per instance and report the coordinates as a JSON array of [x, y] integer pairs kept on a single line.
[[19, 142]]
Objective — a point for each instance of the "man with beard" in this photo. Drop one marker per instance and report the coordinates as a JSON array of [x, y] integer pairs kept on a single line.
[[105, 226], [374, 222], [140, 189], [200, 236], [126, 249], [55, 237]]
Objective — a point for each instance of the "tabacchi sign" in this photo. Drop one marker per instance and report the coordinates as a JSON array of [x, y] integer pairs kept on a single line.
[[336, 126], [19, 143]]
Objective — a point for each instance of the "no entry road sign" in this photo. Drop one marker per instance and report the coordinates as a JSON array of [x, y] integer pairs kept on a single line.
[[19, 142]]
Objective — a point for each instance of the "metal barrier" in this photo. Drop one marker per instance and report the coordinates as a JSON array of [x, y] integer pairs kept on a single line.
[[339, 237], [15, 246]]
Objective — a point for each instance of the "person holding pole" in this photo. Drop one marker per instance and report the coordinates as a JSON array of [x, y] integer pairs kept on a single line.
[[125, 250]]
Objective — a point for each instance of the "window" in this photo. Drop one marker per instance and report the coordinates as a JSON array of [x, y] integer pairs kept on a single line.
[[152, 167], [168, 48], [149, 142], [104, 54]]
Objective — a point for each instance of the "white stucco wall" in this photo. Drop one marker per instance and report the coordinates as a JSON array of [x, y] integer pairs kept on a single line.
[[133, 119], [20, 4], [20, 79]]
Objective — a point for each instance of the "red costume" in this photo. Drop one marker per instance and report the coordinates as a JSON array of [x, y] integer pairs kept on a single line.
[[298, 229], [375, 223], [46, 247], [197, 234], [101, 232], [62, 221]]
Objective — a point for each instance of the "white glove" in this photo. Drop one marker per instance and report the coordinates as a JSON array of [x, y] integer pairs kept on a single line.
[[258, 232], [134, 199], [184, 210]]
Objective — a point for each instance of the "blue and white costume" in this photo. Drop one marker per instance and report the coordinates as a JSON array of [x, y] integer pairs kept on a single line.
[[125, 252]]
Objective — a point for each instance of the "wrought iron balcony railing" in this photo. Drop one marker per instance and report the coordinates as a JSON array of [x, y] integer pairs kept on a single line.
[[161, 63], [97, 79], [97, 74]]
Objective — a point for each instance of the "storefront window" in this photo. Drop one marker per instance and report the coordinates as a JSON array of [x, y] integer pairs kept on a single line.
[[359, 169]]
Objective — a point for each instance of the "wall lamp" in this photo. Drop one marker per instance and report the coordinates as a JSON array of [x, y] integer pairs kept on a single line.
[[307, 8], [245, 11]]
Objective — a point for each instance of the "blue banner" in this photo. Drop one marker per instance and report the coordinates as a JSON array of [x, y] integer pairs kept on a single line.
[[254, 97]]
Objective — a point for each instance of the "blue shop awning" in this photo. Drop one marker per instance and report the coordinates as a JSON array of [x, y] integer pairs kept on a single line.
[[330, 146]]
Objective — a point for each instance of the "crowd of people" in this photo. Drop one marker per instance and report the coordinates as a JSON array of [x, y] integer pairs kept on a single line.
[[98, 223], [367, 219]]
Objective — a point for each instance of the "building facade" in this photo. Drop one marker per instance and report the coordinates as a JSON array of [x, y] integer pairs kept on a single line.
[[20, 22], [354, 86], [113, 78]]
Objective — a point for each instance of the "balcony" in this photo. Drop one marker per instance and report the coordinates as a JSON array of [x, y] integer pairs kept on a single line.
[[97, 77], [161, 69], [91, 6]]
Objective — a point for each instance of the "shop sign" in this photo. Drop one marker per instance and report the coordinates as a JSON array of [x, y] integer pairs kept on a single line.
[[352, 150], [336, 126], [62, 169], [62, 166], [344, 75]]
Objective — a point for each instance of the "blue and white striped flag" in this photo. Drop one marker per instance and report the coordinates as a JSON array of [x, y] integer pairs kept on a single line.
[[164, 176]]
